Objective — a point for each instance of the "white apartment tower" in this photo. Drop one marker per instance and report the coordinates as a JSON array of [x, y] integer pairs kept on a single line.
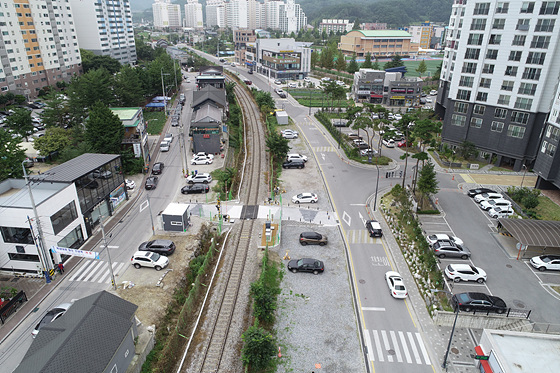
[[292, 17], [105, 28], [166, 15], [237, 15], [193, 14], [215, 13], [39, 46], [499, 77]]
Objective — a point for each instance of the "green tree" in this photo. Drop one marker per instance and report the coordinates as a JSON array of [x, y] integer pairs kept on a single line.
[[57, 111], [128, 87], [20, 122], [421, 69], [427, 182], [353, 65], [396, 61], [11, 156], [259, 348], [375, 65], [356, 25], [93, 86], [143, 51], [420, 156], [467, 150], [315, 58], [437, 73], [340, 62], [104, 130], [367, 63], [91, 61], [54, 140], [327, 58], [277, 145]]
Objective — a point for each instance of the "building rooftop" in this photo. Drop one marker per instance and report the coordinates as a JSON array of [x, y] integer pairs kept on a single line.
[[384, 33], [75, 168], [14, 192], [125, 113]]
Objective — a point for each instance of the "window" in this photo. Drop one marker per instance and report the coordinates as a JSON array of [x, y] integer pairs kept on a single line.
[[503, 99], [461, 107], [458, 120], [497, 126], [545, 25], [479, 109], [485, 83], [553, 132], [527, 89], [17, 235], [24, 257], [488, 69], [495, 39], [516, 131], [63, 217], [511, 71], [472, 54], [482, 96], [478, 24], [523, 24], [481, 8], [531, 73], [515, 56], [466, 81], [540, 41], [502, 8], [476, 122], [507, 85], [463, 95], [475, 39], [523, 103], [469, 68], [500, 113], [492, 54], [519, 40], [499, 24], [549, 7], [548, 149], [536, 58], [527, 7], [519, 117]]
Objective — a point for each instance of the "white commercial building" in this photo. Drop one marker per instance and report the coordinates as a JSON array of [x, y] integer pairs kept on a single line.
[[280, 58], [39, 46], [193, 14], [166, 15], [104, 29]]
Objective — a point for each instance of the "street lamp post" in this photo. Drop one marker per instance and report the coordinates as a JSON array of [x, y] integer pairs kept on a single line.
[[524, 173], [444, 364], [163, 93]]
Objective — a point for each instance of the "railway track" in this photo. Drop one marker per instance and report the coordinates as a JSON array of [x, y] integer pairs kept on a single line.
[[252, 191]]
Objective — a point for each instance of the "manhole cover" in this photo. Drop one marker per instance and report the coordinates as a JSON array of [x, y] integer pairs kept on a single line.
[[455, 350], [391, 352], [362, 281], [508, 265], [518, 304]]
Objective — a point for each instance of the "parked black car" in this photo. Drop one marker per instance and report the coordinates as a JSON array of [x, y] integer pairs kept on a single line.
[[474, 192], [158, 168], [478, 302], [306, 265], [312, 238], [151, 182], [163, 247], [293, 163], [195, 188]]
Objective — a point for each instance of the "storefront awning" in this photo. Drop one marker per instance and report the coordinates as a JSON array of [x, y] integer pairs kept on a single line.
[[376, 96]]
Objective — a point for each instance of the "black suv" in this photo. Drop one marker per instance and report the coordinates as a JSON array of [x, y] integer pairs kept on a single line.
[[158, 168], [162, 247], [374, 228], [478, 302], [306, 265], [312, 238], [293, 163]]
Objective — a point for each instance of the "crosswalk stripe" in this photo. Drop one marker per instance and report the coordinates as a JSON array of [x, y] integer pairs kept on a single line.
[[369, 346], [104, 266], [92, 272], [115, 271], [79, 271], [85, 269], [387, 346], [396, 346], [361, 236], [97, 271], [423, 348], [414, 349], [378, 345], [405, 350], [324, 149]]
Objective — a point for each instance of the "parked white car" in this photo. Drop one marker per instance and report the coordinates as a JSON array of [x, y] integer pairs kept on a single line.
[[201, 160], [200, 177], [292, 85], [544, 262], [305, 198], [293, 156], [149, 259], [130, 184], [397, 117], [500, 212], [433, 238], [465, 272], [168, 137], [484, 196], [492, 203], [202, 154], [287, 134], [390, 143]]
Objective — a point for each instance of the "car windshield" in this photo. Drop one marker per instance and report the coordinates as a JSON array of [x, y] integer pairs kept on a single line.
[[300, 262], [155, 257]]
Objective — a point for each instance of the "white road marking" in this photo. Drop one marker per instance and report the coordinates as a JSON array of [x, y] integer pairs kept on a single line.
[[396, 346], [386, 343], [405, 350], [414, 349], [373, 308], [423, 349], [323, 156], [347, 219], [378, 345], [369, 346], [82, 269]]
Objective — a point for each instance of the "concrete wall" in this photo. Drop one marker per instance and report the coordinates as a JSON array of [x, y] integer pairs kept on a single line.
[[480, 321]]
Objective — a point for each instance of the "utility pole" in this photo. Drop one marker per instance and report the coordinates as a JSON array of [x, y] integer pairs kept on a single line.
[[163, 93], [108, 254]]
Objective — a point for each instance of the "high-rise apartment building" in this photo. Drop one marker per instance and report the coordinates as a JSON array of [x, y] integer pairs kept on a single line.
[[39, 45], [166, 15], [237, 15], [105, 28], [193, 14], [292, 17], [215, 13], [499, 77], [422, 34]]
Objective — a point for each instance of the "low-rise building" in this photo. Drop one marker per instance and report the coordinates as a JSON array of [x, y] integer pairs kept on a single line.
[[335, 25], [373, 26], [385, 87], [280, 58], [240, 39], [378, 42], [135, 134]]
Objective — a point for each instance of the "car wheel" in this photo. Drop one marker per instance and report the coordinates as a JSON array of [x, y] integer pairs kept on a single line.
[[303, 243], [297, 202], [137, 266], [158, 268], [312, 201], [205, 181], [501, 311], [294, 270], [207, 162], [322, 243], [464, 257], [284, 167], [480, 281], [315, 272], [468, 309], [457, 279], [542, 269], [441, 256]]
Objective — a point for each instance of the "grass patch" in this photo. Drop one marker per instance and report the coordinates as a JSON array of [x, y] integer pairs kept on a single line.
[[556, 289], [501, 169], [431, 65], [316, 98], [155, 121], [547, 210]]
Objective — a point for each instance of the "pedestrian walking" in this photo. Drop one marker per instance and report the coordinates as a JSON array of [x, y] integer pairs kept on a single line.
[[61, 268]]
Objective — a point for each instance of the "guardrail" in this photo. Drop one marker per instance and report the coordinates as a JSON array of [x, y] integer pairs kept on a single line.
[[12, 306]]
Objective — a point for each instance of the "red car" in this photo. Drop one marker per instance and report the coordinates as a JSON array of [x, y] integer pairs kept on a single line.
[[403, 144]]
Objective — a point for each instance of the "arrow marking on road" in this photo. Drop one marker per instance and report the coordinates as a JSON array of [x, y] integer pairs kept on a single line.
[[323, 156], [347, 219]]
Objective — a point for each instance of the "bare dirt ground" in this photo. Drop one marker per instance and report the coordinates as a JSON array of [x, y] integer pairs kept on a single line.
[[491, 179], [152, 300]]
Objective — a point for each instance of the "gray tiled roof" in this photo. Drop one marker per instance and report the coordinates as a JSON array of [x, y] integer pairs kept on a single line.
[[216, 95], [76, 168], [84, 340], [208, 113]]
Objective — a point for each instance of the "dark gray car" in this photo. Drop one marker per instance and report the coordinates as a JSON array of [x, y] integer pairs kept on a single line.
[[450, 249]]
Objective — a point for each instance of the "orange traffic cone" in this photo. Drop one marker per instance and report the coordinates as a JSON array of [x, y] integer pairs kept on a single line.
[[279, 352]]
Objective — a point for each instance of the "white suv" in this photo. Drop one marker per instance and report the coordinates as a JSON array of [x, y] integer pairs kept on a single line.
[[199, 178], [293, 156], [164, 146], [486, 196], [149, 259], [492, 203], [500, 212]]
